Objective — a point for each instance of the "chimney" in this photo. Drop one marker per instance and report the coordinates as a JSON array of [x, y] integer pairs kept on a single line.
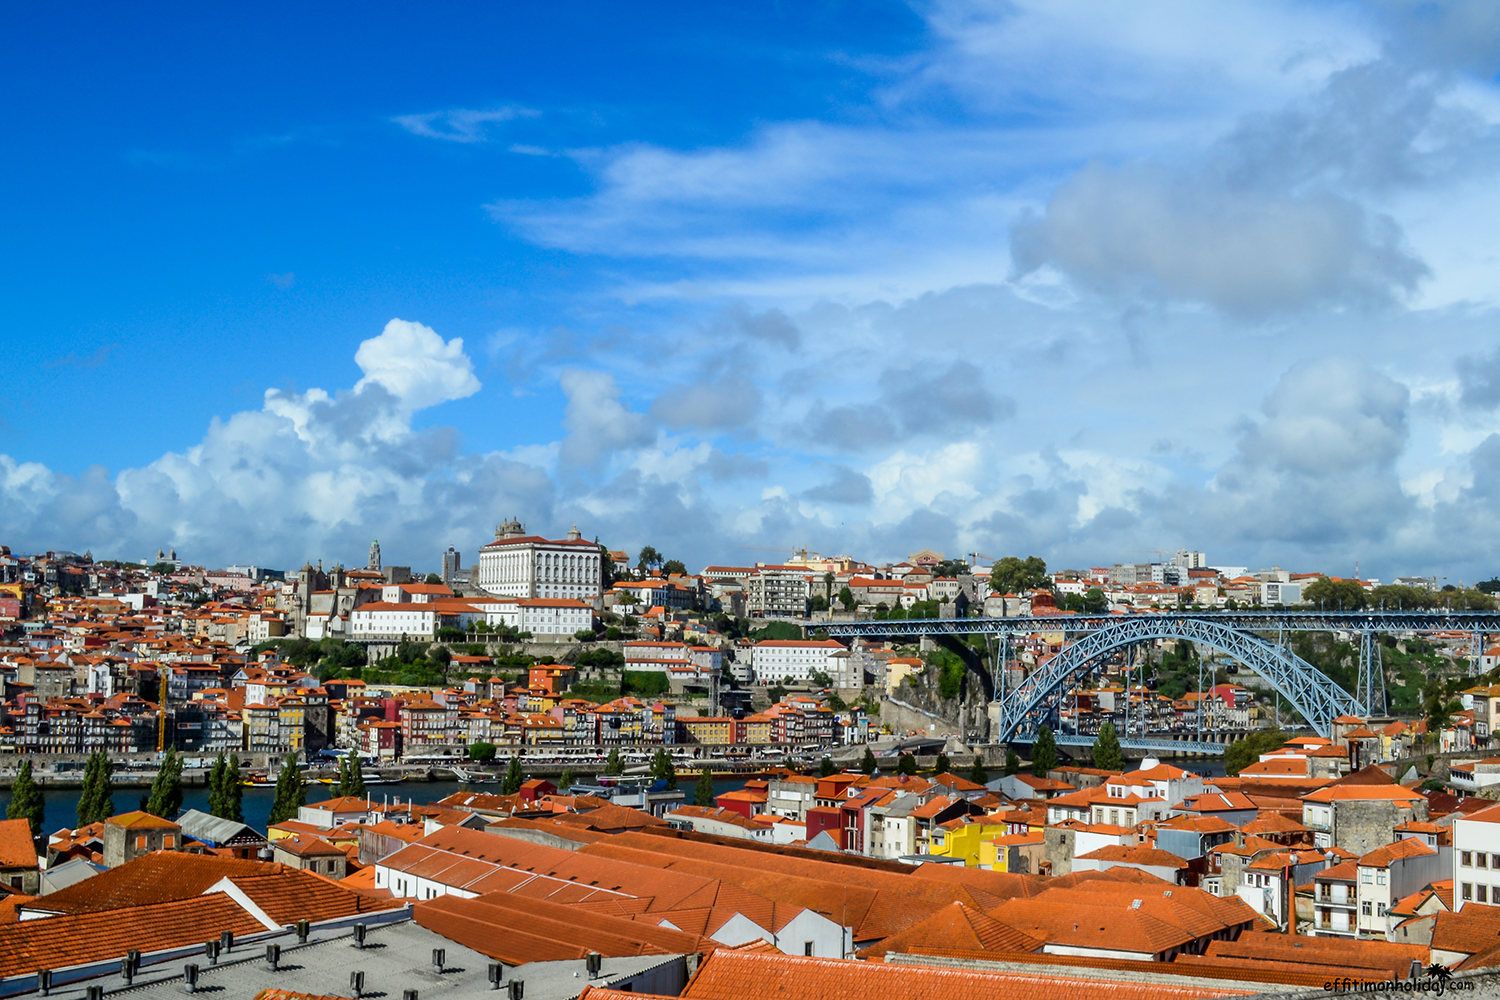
[[438, 954], [44, 981], [190, 977], [595, 964], [359, 935], [496, 974], [211, 952], [357, 984], [517, 990], [273, 957]]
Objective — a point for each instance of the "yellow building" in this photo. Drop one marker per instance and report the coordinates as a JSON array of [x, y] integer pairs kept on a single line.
[[1018, 853], [757, 729], [963, 837], [293, 713], [715, 731]]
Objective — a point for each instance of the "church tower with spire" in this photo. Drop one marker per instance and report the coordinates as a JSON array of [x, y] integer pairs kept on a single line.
[[374, 562]]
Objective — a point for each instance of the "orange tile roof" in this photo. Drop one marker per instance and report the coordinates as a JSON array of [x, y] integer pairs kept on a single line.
[[305, 846], [1135, 855], [1474, 929], [956, 926], [518, 930], [726, 974], [78, 938], [159, 877], [1344, 793], [1405, 848], [16, 847], [141, 821], [1382, 957]]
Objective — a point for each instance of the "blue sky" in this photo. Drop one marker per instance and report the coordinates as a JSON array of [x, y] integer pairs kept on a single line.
[[1074, 279]]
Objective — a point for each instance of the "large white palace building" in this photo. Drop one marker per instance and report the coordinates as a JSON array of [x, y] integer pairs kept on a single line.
[[516, 564]]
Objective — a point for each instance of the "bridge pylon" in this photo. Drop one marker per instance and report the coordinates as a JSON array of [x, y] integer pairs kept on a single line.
[[1370, 688]]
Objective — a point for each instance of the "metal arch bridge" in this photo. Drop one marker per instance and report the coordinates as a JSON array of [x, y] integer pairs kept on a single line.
[[1037, 699]]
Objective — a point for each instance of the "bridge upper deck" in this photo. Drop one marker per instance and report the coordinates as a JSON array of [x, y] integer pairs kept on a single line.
[[1251, 621]]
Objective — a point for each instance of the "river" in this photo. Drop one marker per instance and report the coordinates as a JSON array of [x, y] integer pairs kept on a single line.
[[62, 803]]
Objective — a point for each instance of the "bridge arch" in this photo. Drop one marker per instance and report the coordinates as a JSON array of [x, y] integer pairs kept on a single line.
[[1033, 702]]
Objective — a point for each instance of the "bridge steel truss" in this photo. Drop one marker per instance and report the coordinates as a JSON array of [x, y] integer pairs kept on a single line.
[[1035, 701]]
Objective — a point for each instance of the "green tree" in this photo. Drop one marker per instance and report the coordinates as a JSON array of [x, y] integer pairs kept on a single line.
[[906, 764], [96, 802], [613, 765], [291, 794], [674, 567], [826, 767], [649, 559], [165, 799], [567, 780], [234, 791], [481, 751], [662, 769], [342, 783], [433, 578], [943, 765], [514, 777], [1333, 595], [1094, 602], [1243, 752], [26, 801], [356, 783], [703, 791], [1012, 575], [846, 598], [1012, 763], [867, 763], [977, 773], [216, 777], [1107, 752], [1043, 753], [828, 579]]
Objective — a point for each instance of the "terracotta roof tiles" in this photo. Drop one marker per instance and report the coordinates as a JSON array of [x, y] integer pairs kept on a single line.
[[724, 975]]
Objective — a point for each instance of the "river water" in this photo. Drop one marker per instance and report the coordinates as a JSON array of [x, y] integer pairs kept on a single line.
[[62, 803]]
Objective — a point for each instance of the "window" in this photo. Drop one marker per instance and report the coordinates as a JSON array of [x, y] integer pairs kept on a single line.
[[1380, 877], [1364, 908], [1364, 876], [169, 842], [1483, 890], [1466, 858], [1495, 860], [1380, 909], [807, 947], [1481, 860], [140, 842], [1468, 890]]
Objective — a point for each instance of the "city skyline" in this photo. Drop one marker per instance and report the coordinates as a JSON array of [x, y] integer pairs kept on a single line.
[[1021, 280]]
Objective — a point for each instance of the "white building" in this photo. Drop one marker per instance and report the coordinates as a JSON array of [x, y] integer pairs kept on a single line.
[[1274, 592], [663, 656], [1389, 874], [1148, 794], [545, 616], [1476, 858], [542, 616], [382, 619], [776, 659], [516, 564]]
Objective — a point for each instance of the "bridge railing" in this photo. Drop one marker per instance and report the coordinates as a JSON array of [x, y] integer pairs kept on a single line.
[[1287, 621]]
